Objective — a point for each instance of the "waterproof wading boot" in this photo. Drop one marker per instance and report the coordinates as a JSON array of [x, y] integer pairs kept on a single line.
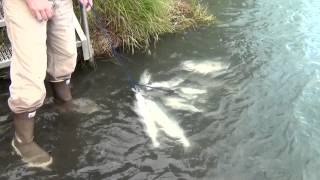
[[23, 143], [62, 96]]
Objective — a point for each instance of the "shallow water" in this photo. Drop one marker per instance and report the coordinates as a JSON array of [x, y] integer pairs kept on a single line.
[[246, 99]]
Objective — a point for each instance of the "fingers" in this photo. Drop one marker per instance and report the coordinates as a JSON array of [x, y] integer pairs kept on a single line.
[[87, 4], [49, 13], [37, 15], [43, 15], [88, 7]]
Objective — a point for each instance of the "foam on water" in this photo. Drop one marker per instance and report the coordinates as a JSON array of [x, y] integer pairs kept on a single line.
[[86, 106]]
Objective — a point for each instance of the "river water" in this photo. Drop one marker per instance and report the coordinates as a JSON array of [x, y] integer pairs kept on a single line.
[[245, 105]]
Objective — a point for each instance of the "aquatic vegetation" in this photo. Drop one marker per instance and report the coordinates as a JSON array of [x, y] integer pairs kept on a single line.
[[136, 24]]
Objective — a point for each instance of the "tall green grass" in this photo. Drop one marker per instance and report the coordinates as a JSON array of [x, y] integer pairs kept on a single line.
[[136, 23]]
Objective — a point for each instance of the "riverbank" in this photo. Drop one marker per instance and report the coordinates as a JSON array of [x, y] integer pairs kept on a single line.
[[138, 24]]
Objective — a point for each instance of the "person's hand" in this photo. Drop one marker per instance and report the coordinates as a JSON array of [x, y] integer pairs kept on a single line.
[[86, 4], [40, 9]]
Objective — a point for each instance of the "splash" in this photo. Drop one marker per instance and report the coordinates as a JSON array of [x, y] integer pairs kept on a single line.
[[204, 67], [192, 91], [86, 106], [156, 119]]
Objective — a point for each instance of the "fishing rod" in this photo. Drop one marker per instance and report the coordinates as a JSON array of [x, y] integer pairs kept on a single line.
[[132, 82]]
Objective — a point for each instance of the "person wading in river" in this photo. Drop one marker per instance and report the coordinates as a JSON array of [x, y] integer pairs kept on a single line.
[[43, 42]]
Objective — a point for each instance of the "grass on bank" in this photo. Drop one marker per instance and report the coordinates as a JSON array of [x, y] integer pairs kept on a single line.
[[134, 24]]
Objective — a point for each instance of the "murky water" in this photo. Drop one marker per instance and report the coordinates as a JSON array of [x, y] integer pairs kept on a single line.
[[247, 100]]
